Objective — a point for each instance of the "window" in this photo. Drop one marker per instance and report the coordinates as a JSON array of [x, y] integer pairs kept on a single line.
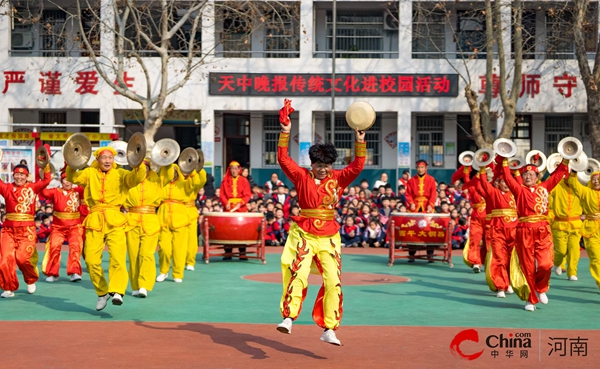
[[281, 34], [471, 34], [559, 35], [54, 117], [429, 39], [150, 20], [235, 36], [91, 28], [430, 139], [360, 33], [521, 135], [53, 32], [344, 141], [271, 129], [528, 34], [557, 128]]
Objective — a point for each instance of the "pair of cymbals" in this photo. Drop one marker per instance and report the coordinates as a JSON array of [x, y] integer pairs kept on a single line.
[[77, 151]]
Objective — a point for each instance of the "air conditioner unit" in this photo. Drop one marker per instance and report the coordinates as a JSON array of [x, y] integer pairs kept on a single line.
[[390, 21], [21, 39]]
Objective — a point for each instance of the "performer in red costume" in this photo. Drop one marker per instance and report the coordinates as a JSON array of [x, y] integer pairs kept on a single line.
[[66, 226], [17, 241], [478, 225], [235, 194], [421, 194], [314, 237], [503, 229], [534, 238]]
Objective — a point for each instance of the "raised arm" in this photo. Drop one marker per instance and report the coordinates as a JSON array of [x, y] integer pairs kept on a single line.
[[134, 177], [514, 186], [556, 176], [349, 174], [38, 186], [292, 170], [579, 190], [79, 177]]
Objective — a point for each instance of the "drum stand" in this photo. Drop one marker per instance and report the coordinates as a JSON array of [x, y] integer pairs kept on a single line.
[[404, 248], [254, 250]]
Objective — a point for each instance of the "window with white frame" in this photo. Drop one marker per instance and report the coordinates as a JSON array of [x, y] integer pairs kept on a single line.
[[471, 41], [282, 34], [53, 36], [360, 33], [429, 38], [345, 137], [527, 34], [557, 128], [51, 117], [271, 130], [430, 139]]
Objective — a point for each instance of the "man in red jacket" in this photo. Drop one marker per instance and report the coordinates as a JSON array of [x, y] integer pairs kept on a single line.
[[421, 194], [234, 195], [315, 235]]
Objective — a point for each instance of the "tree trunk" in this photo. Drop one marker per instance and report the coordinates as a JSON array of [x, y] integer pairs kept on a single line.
[[594, 122], [151, 126], [476, 128]]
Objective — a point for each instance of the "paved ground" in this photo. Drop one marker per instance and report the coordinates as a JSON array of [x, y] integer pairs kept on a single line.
[[222, 317]]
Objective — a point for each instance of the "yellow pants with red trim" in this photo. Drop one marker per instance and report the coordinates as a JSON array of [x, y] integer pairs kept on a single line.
[[142, 265], [17, 249], [173, 246], [114, 238], [192, 249], [592, 247], [566, 249], [51, 261], [301, 249]]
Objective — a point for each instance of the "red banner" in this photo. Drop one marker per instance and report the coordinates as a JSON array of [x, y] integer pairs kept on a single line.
[[420, 228]]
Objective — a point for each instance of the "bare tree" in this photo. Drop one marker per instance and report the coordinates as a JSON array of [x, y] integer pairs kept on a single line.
[[585, 28], [487, 34], [162, 38]]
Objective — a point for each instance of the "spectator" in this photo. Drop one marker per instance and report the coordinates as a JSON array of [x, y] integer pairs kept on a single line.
[[373, 236], [44, 229], [364, 184], [257, 192], [389, 191], [209, 186], [279, 218], [382, 181], [350, 233], [403, 181], [386, 209], [402, 195], [459, 234], [246, 173], [274, 182], [293, 197], [273, 231]]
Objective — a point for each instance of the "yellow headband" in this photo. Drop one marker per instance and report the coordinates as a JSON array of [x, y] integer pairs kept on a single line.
[[101, 150]]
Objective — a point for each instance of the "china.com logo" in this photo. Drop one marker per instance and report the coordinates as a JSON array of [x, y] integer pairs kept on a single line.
[[493, 341]]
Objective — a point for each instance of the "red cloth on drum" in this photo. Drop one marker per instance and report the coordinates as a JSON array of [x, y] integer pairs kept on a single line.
[[535, 245], [502, 241], [318, 197], [421, 191], [235, 190]]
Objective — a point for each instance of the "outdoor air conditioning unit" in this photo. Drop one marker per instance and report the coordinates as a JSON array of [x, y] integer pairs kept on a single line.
[[390, 21], [21, 39]]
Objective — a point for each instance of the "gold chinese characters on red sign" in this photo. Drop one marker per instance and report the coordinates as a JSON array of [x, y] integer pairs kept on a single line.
[[416, 228]]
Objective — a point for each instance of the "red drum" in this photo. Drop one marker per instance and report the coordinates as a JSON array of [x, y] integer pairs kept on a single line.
[[420, 231], [241, 229]]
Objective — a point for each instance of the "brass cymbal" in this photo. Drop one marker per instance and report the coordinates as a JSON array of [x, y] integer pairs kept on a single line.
[[200, 165], [42, 156], [136, 150], [121, 149], [165, 152], [77, 151], [188, 160]]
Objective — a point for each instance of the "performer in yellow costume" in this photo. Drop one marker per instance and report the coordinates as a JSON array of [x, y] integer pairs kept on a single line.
[[590, 202], [174, 221], [566, 228], [143, 229], [105, 192], [198, 182]]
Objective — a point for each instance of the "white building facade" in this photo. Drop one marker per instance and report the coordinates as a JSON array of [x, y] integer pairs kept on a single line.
[[230, 106]]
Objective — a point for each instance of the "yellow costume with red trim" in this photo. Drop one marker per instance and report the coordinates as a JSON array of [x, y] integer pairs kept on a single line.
[[105, 193], [66, 226], [18, 238], [566, 226], [590, 202], [174, 221], [314, 237], [198, 181], [143, 230]]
